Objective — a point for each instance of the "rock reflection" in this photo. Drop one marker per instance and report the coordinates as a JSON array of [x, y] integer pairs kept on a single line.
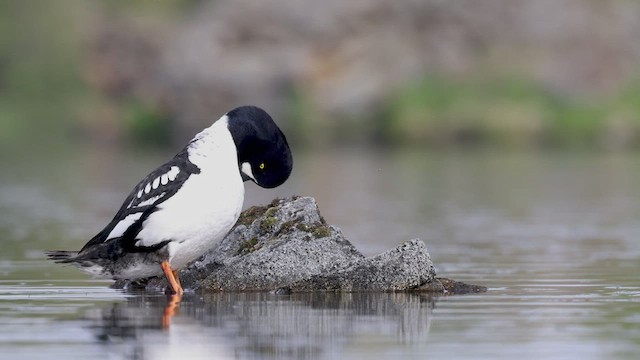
[[261, 324]]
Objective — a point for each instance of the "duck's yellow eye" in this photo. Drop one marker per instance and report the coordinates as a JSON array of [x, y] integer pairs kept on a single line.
[[261, 166]]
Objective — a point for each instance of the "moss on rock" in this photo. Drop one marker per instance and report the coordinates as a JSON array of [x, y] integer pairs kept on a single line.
[[248, 246]]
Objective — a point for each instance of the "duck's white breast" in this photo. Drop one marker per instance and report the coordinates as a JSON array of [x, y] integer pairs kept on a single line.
[[205, 208]]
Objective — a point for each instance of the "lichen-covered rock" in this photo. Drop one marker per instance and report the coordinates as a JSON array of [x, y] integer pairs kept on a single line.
[[287, 246], [273, 246]]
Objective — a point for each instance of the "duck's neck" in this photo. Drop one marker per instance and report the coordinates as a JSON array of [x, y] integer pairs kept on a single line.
[[213, 145]]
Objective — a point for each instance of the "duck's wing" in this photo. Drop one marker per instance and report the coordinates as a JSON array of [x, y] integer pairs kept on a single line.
[[157, 187]]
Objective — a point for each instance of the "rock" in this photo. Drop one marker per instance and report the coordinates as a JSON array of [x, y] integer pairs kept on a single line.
[[406, 267], [453, 287], [287, 246]]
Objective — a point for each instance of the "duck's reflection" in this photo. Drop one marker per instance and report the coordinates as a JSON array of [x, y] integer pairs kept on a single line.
[[261, 324], [171, 310]]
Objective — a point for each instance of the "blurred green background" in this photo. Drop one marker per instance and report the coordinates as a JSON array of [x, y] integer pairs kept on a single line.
[[385, 103], [443, 74]]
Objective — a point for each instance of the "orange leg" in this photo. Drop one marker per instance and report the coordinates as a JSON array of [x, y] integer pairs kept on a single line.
[[171, 310], [172, 277], [175, 275]]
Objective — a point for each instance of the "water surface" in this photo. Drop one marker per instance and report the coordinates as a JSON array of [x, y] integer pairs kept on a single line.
[[553, 235]]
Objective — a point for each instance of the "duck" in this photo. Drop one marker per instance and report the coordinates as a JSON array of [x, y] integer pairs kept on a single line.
[[188, 204]]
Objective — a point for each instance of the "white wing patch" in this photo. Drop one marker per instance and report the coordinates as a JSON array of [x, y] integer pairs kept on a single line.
[[154, 184], [123, 225], [150, 201], [173, 173]]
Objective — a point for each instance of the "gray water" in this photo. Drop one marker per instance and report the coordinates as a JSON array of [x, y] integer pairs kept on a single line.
[[554, 236]]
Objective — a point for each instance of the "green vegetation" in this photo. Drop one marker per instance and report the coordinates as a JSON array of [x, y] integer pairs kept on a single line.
[[40, 82], [45, 97], [268, 224], [490, 111], [508, 113], [321, 232], [248, 216], [248, 247], [145, 124]]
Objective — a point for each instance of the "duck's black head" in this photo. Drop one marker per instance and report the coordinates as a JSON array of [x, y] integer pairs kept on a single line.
[[263, 152]]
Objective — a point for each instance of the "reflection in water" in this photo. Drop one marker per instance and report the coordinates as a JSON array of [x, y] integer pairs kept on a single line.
[[553, 235], [171, 310], [260, 324]]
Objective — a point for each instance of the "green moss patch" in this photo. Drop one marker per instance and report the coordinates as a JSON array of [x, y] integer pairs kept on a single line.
[[248, 246], [248, 216], [321, 232]]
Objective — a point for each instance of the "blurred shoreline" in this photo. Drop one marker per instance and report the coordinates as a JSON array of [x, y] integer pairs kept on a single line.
[[513, 75]]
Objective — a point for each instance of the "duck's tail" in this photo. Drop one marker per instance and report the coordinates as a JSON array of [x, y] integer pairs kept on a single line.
[[61, 256], [88, 266]]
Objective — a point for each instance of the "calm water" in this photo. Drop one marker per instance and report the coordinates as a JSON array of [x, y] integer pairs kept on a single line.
[[554, 236]]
